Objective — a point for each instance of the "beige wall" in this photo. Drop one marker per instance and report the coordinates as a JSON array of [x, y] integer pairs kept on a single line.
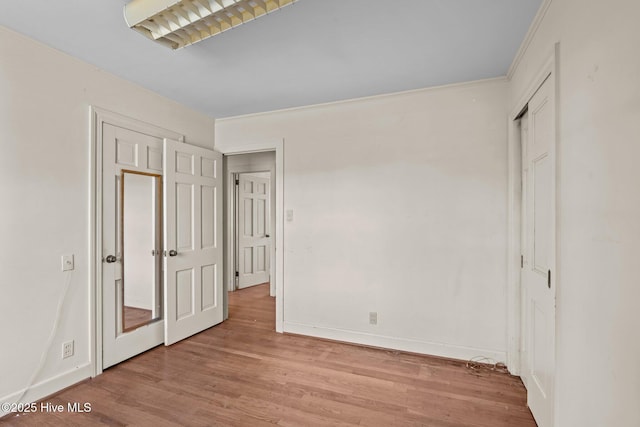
[[44, 170], [598, 349], [399, 207]]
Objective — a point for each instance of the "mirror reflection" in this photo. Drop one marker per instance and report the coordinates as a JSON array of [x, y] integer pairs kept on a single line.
[[141, 209]]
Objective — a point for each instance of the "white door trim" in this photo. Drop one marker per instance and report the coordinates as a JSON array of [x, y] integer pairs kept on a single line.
[[277, 263], [98, 117], [514, 309]]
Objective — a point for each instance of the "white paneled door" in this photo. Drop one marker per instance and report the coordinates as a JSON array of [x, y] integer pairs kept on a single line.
[[125, 153], [193, 240], [538, 279], [162, 237], [253, 230]]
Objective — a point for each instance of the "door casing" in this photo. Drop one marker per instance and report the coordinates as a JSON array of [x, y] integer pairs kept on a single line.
[[277, 251]]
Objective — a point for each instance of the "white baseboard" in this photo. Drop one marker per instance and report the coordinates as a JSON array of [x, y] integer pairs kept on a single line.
[[50, 386], [402, 344]]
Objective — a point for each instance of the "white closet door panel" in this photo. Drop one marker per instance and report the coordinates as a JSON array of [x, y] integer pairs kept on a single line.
[[193, 273]]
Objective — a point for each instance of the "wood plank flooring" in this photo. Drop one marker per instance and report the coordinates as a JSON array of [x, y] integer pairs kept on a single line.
[[242, 373], [134, 317]]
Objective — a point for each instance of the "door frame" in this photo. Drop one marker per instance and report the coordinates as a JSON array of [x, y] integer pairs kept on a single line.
[[99, 117], [549, 70], [277, 250]]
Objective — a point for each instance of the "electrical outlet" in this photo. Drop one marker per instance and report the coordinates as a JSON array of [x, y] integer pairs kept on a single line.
[[67, 349], [373, 317]]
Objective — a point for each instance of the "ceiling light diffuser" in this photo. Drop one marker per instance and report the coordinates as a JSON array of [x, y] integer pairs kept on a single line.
[[179, 23]]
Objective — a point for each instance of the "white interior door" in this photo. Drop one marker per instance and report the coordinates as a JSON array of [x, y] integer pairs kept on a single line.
[[253, 230], [128, 155], [539, 286], [193, 236], [524, 298]]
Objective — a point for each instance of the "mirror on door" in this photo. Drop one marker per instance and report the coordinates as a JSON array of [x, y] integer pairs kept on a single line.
[[139, 298]]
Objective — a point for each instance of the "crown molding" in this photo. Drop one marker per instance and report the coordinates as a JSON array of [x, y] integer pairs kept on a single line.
[[533, 29]]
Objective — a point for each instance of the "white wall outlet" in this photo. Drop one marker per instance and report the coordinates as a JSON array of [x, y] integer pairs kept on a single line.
[[373, 317], [67, 349], [67, 262], [289, 215]]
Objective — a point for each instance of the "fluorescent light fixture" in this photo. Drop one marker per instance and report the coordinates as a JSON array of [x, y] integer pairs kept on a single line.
[[179, 23]]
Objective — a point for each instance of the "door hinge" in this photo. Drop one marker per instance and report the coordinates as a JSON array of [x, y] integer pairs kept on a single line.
[[237, 182], [549, 279], [237, 274], [521, 261]]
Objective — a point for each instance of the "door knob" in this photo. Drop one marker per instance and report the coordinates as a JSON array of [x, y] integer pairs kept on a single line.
[[173, 252], [266, 235], [110, 258]]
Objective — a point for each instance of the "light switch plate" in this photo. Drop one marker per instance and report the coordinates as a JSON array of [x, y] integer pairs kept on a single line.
[[289, 215], [373, 317], [67, 262]]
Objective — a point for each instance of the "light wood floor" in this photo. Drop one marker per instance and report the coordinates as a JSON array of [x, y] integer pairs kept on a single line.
[[242, 373]]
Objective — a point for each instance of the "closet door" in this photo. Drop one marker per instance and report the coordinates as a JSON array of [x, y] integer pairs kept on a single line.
[[538, 270], [132, 319], [193, 240]]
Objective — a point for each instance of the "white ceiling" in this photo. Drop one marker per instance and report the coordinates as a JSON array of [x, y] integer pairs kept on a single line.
[[312, 52]]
